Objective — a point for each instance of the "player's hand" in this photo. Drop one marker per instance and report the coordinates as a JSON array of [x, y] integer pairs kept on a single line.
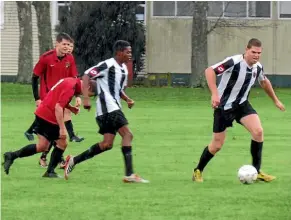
[[280, 105], [78, 102], [130, 103], [75, 110], [37, 102], [63, 133], [215, 101], [86, 103]]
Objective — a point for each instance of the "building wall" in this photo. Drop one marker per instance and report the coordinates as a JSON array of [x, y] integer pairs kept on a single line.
[[169, 43], [10, 40]]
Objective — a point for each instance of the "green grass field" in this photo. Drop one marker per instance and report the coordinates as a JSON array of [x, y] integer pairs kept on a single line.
[[171, 127]]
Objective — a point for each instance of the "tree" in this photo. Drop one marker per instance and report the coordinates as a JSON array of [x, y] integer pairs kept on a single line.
[[42, 9], [25, 42], [202, 27], [95, 26]]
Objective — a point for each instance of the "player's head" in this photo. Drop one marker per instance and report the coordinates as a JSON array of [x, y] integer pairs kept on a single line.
[[253, 51], [71, 48], [63, 42], [122, 50]]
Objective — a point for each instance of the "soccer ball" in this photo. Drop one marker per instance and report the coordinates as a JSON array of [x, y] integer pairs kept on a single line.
[[247, 174]]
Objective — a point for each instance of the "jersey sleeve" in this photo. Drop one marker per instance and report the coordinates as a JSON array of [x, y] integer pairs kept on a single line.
[[98, 71], [73, 70], [261, 74], [223, 66], [40, 68]]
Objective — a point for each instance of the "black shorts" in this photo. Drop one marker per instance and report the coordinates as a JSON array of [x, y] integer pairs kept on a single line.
[[224, 118], [111, 122], [50, 131]]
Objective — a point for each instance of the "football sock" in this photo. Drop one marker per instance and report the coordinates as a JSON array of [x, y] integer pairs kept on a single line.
[[44, 154], [56, 156], [91, 152], [126, 150], [26, 151], [204, 159], [30, 129], [256, 151], [70, 128]]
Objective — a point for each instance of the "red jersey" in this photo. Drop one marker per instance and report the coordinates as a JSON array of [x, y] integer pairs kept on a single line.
[[62, 92], [51, 69]]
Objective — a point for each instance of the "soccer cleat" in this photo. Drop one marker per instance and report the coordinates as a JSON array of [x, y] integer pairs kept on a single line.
[[197, 176], [29, 136], [8, 161], [265, 177], [51, 175], [76, 139], [69, 166], [133, 178], [42, 162]]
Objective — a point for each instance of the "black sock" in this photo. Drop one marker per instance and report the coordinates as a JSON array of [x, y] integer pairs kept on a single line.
[[204, 159], [126, 150], [26, 151], [56, 156], [256, 151], [30, 129], [70, 128], [91, 152], [44, 154]]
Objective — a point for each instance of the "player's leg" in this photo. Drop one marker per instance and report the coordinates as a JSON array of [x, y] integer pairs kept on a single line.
[[105, 128], [26, 151], [221, 121], [70, 127], [29, 132], [130, 176], [253, 124], [43, 157], [93, 151]]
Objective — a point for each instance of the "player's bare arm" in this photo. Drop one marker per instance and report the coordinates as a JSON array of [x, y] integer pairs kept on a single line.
[[74, 109], [211, 81], [129, 101], [86, 86], [59, 112], [267, 86]]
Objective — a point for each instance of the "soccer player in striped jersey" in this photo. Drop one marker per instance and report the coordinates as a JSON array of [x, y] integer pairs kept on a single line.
[[111, 76], [230, 102]]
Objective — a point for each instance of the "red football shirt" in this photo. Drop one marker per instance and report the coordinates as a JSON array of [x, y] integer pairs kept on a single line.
[[62, 92], [51, 69]]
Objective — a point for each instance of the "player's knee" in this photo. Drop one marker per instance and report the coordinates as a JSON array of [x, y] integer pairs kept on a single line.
[[106, 145], [258, 133], [41, 147], [129, 135]]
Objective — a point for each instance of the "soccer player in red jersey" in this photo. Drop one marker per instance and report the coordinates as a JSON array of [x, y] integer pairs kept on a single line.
[[50, 125]]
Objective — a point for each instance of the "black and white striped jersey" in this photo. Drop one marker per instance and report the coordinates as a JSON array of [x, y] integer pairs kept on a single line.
[[237, 78], [111, 79]]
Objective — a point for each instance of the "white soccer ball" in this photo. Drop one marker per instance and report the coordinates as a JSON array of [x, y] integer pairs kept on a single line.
[[247, 174]]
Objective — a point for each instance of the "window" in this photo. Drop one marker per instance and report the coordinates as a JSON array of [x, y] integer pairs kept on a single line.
[[140, 12], [1, 15], [63, 9], [227, 9], [285, 9]]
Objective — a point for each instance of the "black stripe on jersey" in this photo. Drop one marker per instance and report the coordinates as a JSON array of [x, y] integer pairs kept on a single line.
[[230, 84], [111, 83], [122, 81], [102, 101], [259, 69], [224, 66], [245, 86]]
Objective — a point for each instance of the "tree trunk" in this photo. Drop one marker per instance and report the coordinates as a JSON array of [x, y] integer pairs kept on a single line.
[[199, 56], [44, 26], [25, 42]]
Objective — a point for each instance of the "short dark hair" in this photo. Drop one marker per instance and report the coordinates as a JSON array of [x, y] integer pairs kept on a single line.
[[254, 42], [65, 36], [120, 45]]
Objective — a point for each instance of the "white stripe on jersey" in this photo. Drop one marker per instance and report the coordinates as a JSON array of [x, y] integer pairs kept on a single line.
[[111, 79]]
